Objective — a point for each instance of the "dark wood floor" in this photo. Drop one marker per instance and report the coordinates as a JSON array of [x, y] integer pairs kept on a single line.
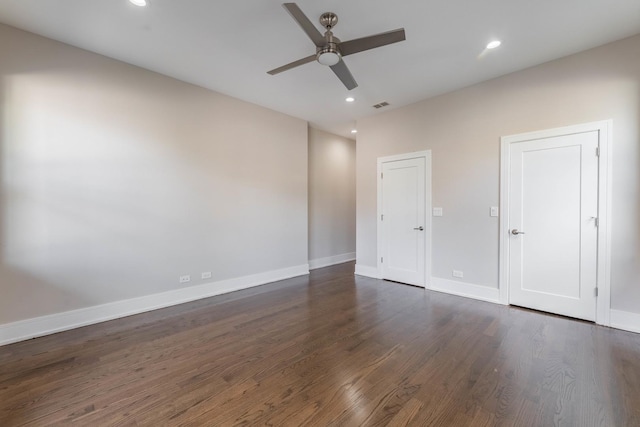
[[328, 349]]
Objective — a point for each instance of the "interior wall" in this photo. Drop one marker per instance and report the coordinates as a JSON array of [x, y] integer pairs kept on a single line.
[[116, 181], [332, 195], [463, 130]]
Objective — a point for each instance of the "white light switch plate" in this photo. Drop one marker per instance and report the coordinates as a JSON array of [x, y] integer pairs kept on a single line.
[[437, 211], [494, 211]]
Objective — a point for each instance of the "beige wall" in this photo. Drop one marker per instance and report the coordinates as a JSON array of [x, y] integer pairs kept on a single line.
[[115, 181], [463, 130], [332, 195]]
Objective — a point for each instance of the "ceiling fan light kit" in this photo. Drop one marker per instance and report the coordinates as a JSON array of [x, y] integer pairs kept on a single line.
[[329, 49], [328, 56]]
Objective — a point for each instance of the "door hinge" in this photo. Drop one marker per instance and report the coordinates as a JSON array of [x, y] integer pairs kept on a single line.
[[381, 260], [597, 222], [596, 291], [381, 175], [597, 151], [382, 217]]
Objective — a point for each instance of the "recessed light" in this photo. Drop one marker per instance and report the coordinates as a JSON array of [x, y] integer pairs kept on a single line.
[[138, 2], [350, 99], [494, 44], [354, 130]]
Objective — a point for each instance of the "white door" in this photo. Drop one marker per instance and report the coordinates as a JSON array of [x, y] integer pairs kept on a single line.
[[403, 221], [553, 234]]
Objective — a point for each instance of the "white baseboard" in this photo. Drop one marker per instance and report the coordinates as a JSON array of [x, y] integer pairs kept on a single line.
[[332, 260], [45, 325], [625, 320], [366, 271], [468, 290]]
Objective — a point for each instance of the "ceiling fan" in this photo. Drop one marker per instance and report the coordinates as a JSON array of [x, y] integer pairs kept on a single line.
[[329, 49]]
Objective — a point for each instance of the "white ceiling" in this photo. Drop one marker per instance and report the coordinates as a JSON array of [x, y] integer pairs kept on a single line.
[[229, 45]]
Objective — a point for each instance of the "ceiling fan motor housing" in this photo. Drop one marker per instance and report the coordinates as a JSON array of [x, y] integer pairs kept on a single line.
[[329, 54]]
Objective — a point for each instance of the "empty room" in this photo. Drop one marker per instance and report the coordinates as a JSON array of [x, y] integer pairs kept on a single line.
[[363, 213]]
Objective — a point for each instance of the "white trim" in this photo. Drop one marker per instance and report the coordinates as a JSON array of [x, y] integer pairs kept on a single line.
[[463, 289], [366, 271], [331, 260], [605, 192], [45, 325], [605, 129], [625, 320], [503, 221], [428, 202]]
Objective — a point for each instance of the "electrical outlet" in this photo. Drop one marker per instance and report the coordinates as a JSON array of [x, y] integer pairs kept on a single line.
[[494, 211], [437, 211], [185, 279], [206, 275], [457, 273]]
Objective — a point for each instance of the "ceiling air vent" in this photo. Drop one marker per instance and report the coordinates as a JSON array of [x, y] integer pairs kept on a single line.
[[380, 105]]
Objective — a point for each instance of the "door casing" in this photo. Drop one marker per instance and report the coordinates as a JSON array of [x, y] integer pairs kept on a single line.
[[604, 129], [427, 220]]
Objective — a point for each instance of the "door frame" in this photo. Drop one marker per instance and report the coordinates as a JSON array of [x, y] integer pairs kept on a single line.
[[603, 280], [426, 155]]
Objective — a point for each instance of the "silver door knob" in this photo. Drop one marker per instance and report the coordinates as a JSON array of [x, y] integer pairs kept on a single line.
[[419, 228], [515, 232]]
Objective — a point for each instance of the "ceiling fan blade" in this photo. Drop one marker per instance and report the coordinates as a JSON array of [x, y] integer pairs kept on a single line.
[[305, 24], [344, 75], [292, 65], [365, 43]]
